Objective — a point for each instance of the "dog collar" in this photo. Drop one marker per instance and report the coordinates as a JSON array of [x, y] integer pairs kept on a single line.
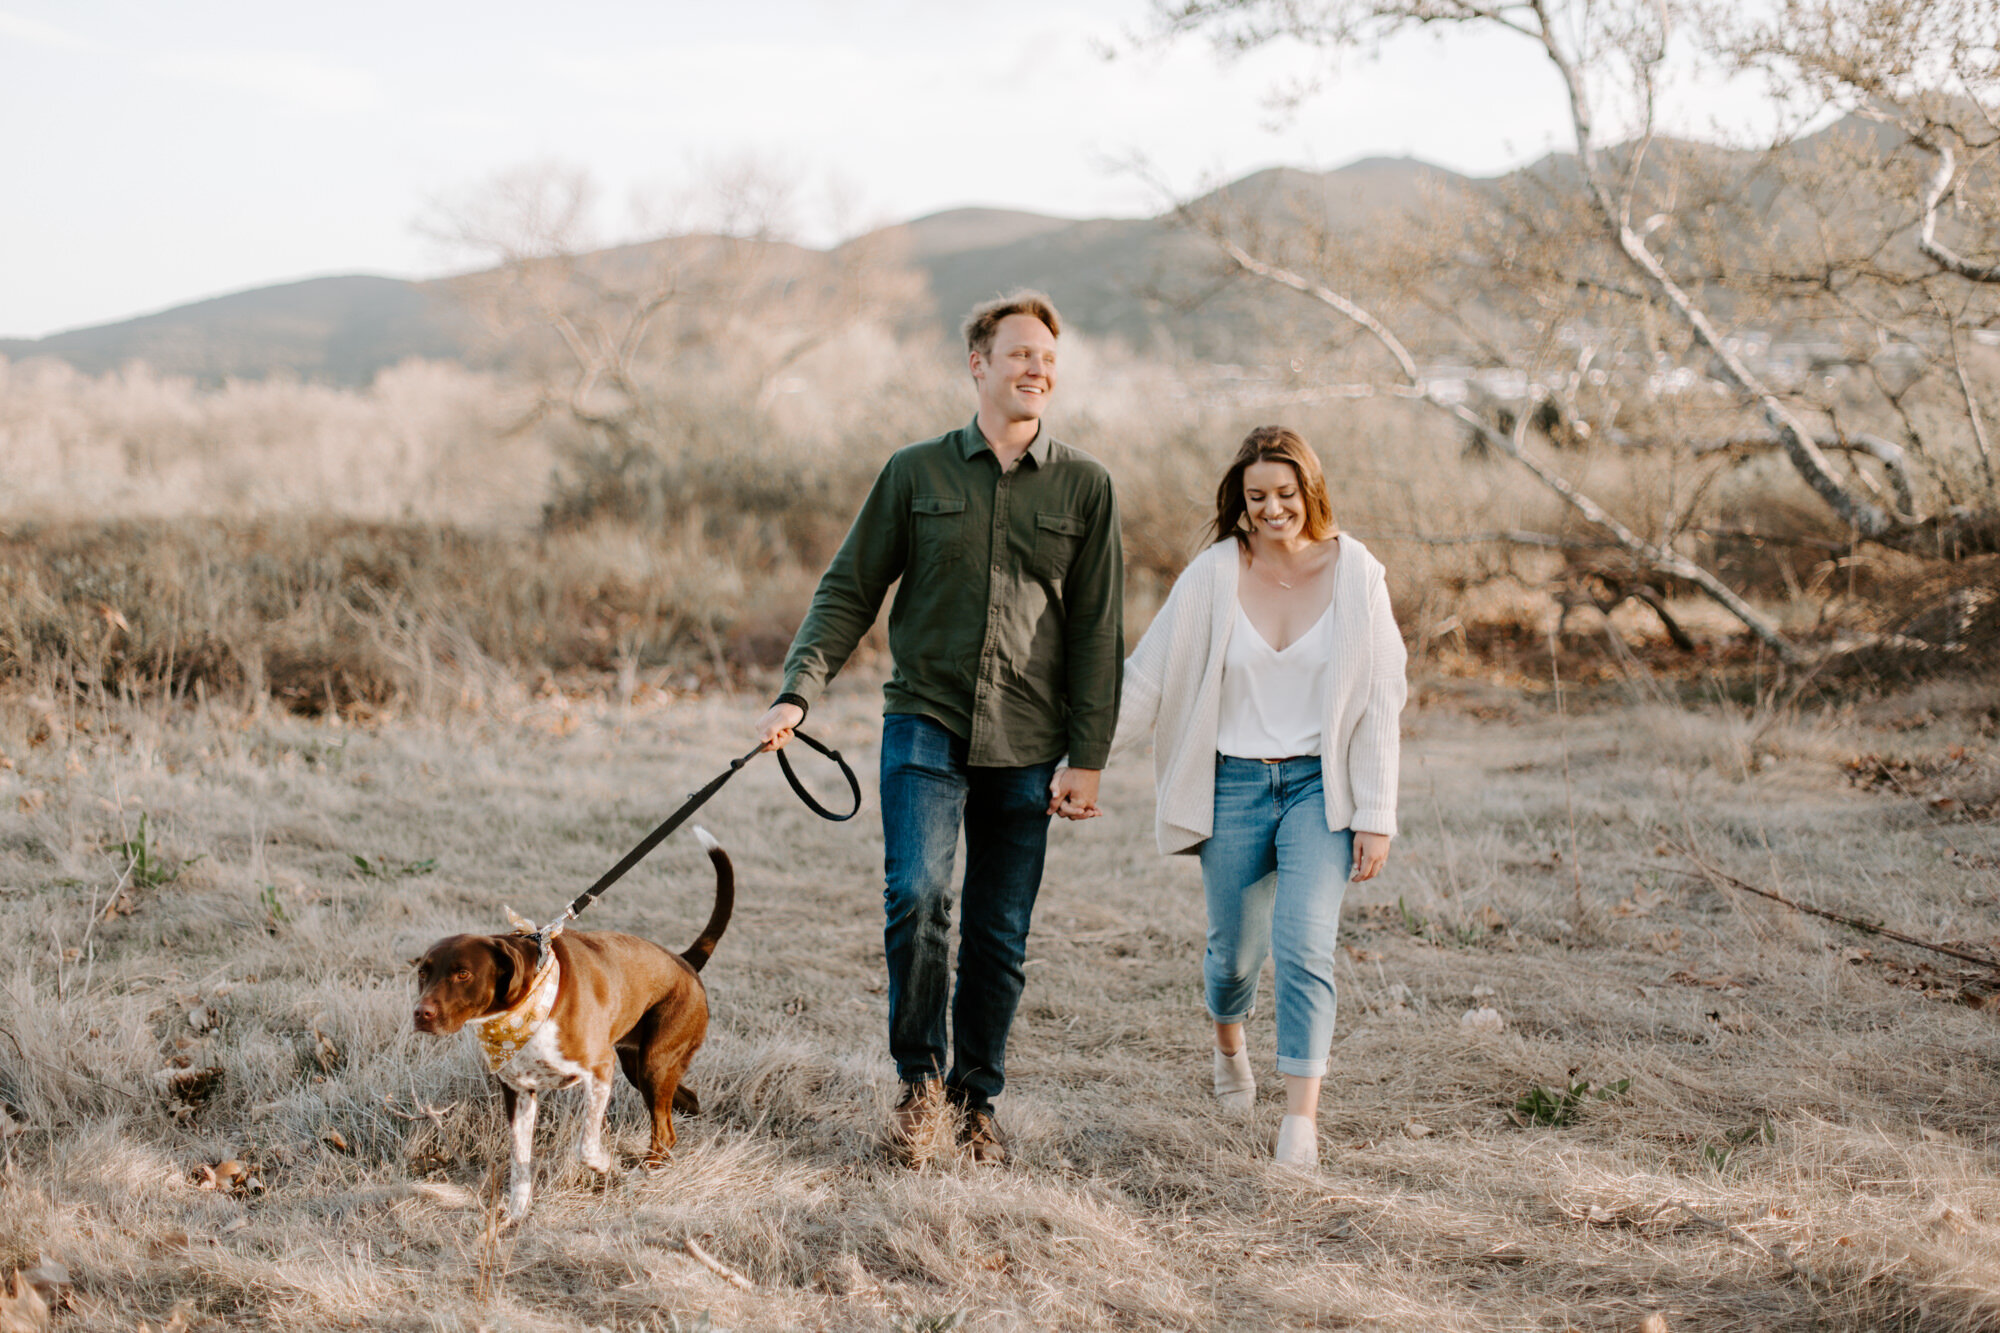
[[502, 1035]]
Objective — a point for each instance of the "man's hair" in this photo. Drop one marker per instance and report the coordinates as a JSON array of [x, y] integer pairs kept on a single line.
[[1273, 444], [986, 316]]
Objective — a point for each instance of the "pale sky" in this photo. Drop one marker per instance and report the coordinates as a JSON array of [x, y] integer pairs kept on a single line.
[[159, 153]]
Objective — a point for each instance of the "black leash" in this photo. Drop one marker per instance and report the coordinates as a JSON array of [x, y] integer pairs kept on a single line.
[[695, 802]]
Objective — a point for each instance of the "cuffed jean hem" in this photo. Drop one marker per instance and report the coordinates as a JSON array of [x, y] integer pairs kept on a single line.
[[1243, 1017], [1303, 1068]]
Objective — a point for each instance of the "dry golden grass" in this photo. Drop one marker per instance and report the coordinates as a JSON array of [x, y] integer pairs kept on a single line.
[[1807, 1140], [325, 613], [208, 907]]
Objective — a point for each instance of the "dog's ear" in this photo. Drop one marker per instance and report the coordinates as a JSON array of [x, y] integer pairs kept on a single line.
[[516, 954]]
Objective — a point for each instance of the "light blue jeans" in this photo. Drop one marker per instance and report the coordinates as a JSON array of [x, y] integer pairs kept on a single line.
[[1274, 876]]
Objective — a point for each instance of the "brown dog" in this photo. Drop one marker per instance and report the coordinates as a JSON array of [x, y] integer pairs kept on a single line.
[[553, 1019]]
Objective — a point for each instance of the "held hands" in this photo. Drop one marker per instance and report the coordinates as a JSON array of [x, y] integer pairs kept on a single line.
[[1073, 793], [1371, 853], [776, 726]]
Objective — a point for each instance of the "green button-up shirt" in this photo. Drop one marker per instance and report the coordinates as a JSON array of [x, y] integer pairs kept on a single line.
[[1009, 624]]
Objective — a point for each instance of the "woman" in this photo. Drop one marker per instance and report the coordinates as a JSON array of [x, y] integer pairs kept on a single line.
[[1273, 677]]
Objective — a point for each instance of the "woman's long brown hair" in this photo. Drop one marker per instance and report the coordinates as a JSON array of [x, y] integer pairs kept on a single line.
[[1273, 444]]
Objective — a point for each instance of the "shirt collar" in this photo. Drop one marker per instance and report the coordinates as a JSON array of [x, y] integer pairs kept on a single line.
[[972, 442]]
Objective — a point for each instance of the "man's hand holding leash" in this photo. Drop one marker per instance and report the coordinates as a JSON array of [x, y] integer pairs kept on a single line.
[[775, 728]]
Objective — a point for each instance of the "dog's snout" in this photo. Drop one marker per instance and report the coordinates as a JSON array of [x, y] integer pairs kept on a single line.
[[426, 1016]]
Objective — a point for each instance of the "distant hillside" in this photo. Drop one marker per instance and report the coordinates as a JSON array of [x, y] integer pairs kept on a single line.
[[1147, 281], [1142, 280], [339, 330], [962, 229], [1153, 283]]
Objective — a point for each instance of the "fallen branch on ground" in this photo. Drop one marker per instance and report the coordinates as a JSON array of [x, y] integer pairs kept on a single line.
[[717, 1267], [1736, 1233], [1712, 874]]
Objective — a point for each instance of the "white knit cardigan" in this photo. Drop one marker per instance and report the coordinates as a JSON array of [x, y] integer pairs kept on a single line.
[[1173, 686]]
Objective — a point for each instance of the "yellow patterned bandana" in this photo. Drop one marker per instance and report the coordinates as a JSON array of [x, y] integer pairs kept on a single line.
[[502, 1035]]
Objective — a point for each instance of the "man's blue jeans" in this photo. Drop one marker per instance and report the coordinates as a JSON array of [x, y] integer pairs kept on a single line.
[[928, 791], [1274, 877]]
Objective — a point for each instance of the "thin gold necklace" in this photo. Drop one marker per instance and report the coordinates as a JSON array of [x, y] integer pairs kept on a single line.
[[1273, 575], [1274, 578]]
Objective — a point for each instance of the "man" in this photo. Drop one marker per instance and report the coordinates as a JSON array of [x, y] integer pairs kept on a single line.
[[1007, 635]]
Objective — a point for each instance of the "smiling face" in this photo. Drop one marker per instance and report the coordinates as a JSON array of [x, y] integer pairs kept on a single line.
[[1273, 490], [1018, 373], [1273, 499]]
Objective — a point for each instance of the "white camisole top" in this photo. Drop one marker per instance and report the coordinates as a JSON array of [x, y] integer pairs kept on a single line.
[[1273, 702]]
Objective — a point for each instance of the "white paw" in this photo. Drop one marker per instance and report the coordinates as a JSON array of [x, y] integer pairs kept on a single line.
[[597, 1160], [518, 1197]]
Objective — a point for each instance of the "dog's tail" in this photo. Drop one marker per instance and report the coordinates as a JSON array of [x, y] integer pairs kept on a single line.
[[725, 900]]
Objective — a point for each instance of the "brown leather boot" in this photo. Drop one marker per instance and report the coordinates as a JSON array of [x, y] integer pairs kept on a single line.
[[915, 1121], [981, 1137]]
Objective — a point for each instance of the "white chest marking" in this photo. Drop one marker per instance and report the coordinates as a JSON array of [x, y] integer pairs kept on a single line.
[[540, 1065]]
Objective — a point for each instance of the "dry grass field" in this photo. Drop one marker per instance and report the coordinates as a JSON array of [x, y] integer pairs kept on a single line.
[[208, 912]]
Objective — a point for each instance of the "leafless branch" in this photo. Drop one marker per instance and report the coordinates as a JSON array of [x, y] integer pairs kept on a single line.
[[1506, 536], [1868, 519], [1664, 559], [1941, 184], [1326, 296], [717, 1267], [1972, 410], [1703, 870]]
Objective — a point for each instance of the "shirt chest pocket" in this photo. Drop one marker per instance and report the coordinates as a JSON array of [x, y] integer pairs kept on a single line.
[[1056, 538], [937, 531]]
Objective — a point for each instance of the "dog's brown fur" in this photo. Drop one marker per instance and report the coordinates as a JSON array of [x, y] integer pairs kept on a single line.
[[618, 995]]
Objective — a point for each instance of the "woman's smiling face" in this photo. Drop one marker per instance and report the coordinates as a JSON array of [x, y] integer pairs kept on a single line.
[[1273, 499]]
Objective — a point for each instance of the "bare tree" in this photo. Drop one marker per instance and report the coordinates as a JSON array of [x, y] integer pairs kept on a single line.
[[1689, 264], [1929, 76], [631, 345]]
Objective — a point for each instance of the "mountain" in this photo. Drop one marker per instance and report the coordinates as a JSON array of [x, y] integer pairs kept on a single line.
[[961, 229], [1148, 281], [340, 330], [1361, 190], [1154, 282]]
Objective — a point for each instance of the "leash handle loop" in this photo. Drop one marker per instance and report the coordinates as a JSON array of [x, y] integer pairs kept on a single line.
[[798, 788], [697, 799]]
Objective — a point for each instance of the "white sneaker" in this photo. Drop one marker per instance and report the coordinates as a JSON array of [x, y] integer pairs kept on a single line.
[[1235, 1085], [1298, 1142]]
